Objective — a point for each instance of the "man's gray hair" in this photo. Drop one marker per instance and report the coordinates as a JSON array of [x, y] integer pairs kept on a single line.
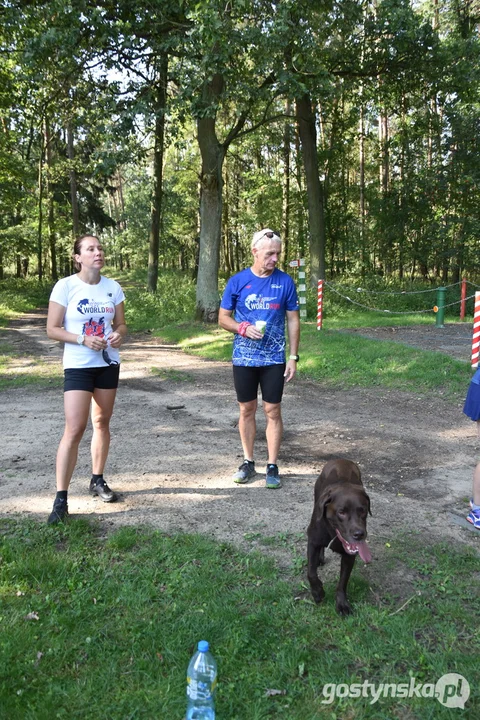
[[266, 233]]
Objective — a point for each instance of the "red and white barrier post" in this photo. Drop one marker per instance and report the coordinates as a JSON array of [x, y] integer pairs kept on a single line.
[[320, 304], [476, 331]]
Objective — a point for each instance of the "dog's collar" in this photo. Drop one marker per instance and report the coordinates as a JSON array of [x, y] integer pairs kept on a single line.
[[331, 541]]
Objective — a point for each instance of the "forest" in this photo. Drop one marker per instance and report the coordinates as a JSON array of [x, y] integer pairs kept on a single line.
[[175, 129]]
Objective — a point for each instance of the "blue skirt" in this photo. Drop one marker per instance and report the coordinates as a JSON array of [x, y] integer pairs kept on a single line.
[[472, 401]]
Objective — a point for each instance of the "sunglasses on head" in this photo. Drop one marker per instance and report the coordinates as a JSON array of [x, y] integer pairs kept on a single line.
[[269, 234]]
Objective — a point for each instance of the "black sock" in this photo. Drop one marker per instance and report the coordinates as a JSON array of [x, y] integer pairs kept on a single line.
[[61, 495], [98, 479]]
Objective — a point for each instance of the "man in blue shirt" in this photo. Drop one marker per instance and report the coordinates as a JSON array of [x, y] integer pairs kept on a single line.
[[261, 295]]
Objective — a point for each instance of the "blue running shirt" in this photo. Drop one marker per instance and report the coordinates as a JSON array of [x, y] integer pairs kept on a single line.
[[253, 298]]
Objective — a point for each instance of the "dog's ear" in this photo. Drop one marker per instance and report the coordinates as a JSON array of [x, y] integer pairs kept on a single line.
[[324, 500]]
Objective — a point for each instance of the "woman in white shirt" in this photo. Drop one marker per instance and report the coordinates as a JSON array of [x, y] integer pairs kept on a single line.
[[86, 313]]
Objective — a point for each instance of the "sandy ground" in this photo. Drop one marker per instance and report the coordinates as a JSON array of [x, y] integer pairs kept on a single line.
[[175, 446]]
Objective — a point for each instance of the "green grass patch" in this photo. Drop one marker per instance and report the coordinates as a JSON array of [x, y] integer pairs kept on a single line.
[[109, 623], [345, 360], [329, 356], [20, 370], [172, 375], [173, 302], [340, 318], [18, 296], [342, 360]]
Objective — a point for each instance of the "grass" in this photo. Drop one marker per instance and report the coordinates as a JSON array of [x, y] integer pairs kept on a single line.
[[109, 623], [330, 357], [18, 296], [341, 360], [18, 370], [104, 626]]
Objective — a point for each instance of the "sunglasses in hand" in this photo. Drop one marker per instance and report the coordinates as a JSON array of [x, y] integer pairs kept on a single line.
[[108, 359]]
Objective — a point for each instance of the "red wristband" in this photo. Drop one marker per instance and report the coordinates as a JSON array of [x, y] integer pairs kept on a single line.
[[242, 328]]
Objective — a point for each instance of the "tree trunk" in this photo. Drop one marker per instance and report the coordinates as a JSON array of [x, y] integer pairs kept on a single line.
[[308, 137], [40, 210], [73, 182], [286, 188], [227, 224], [51, 218], [213, 154], [210, 224], [363, 239], [160, 108], [385, 164]]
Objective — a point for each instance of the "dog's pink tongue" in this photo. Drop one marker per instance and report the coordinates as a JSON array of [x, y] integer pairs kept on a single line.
[[364, 551]]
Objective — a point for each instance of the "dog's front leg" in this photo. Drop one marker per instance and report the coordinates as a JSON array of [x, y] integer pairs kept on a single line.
[[346, 567], [314, 553]]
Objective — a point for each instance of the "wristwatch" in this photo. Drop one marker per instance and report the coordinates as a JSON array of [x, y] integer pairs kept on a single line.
[[294, 357], [80, 339]]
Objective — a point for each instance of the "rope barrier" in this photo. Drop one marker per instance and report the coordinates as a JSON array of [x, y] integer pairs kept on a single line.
[[394, 312], [367, 307], [397, 292], [438, 310]]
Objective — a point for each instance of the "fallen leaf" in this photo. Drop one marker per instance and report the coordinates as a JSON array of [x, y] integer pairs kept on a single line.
[[271, 692], [39, 657]]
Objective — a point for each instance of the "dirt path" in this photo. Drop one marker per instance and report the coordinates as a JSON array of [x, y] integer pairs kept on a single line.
[[175, 445]]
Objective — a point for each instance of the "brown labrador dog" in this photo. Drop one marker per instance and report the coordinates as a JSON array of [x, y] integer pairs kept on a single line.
[[339, 521]]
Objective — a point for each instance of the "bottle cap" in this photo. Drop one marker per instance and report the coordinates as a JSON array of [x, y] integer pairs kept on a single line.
[[203, 646]]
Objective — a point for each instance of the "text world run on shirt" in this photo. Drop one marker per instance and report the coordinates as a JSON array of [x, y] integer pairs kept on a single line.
[[255, 302], [89, 307]]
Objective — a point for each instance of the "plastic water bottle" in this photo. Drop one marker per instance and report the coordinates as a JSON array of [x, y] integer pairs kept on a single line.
[[201, 683]]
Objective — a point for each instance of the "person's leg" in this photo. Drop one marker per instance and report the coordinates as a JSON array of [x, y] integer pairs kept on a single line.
[[476, 486], [247, 426], [77, 405], [102, 409], [246, 386], [274, 430], [476, 477], [272, 382], [473, 516]]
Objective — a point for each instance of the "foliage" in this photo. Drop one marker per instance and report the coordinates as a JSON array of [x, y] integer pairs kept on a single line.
[[407, 207], [329, 356], [134, 603], [173, 302], [18, 296]]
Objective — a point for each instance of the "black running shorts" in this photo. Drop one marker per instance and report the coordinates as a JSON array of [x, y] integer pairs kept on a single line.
[[270, 378], [89, 379]]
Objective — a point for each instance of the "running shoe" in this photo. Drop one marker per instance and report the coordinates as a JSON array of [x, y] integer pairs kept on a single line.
[[102, 490], [59, 513], [473, 517], [272, 478], [245, 472]]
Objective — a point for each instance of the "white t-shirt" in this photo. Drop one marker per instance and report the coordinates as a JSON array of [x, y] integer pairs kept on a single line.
[[89, 310]]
